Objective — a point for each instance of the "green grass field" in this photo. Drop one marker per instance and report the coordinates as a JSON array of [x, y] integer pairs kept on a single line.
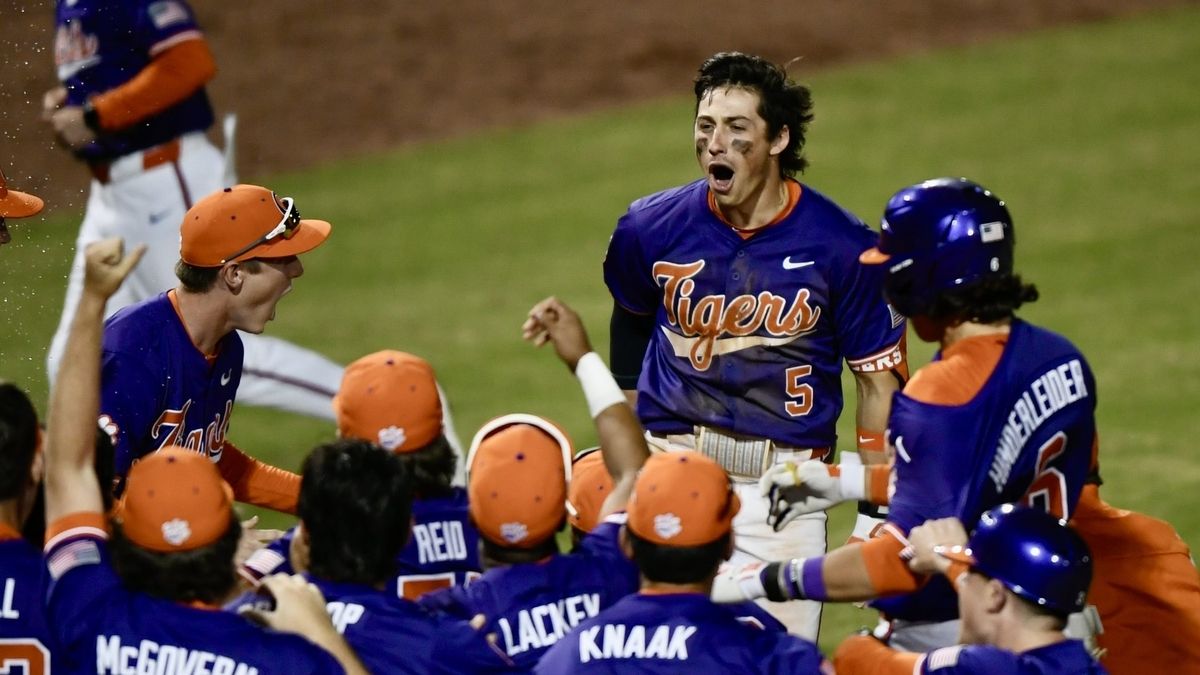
[[1091, 133]]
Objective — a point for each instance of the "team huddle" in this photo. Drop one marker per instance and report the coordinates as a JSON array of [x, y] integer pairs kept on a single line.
[[692, 539]]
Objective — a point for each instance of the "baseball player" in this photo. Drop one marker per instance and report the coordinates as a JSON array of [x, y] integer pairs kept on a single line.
[[678, 531], [1018, 577], [14, 204], [172, 364], [132, 106], [351, 481], [1144, 580], [390, 398], [139, 603], [738, 296], [24, 635], [1004, 413]]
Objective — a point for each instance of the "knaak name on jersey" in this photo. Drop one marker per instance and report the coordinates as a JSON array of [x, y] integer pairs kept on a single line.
[[705, 322], [543, 625], [171, 425], [618, 641], [1052, 391], [150, 657]]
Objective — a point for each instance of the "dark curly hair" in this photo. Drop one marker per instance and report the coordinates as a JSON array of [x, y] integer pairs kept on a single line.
[[205, 574], [677, 564], [18, 439], [356, 506], [782, 102], [431, 469], [993, 298]]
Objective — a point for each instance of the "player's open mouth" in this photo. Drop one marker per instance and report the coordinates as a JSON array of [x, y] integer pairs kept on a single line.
[[720, 178]]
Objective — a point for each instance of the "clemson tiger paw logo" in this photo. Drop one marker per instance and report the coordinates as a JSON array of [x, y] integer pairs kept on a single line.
[[667, 525], [176, 531], [514, 532], [392, 437]]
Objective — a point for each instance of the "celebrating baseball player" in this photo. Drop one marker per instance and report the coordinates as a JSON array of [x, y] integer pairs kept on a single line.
[[172, 364], [14, 204], [142, 601], [390, 398], [1004, 413], [678, 531], [737, 298], [132, 106], [1019, 576]]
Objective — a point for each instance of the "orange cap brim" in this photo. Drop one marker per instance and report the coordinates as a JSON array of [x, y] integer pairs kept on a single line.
[[873, 256], [19, 205], [309, 235]]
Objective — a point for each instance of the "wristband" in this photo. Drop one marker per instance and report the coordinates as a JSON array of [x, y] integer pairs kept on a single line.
[[852, 479], [599, 387], [795, 579], [91, 117]]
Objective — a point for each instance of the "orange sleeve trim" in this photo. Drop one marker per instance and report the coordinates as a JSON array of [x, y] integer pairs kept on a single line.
[[891, 358], [862, 654], [175, 73], [887, 571], [871, 440], [81, 522], [256, 483], [878, 478]]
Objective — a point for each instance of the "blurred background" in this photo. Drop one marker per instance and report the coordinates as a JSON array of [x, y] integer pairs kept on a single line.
[[474, 156]]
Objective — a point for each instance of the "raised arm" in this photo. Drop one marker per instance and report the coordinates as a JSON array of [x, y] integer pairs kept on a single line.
[[71, 484], [622, 442]]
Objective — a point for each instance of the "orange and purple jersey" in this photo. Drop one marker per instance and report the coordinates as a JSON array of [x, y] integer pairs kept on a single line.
[[25, 645], [751, 331]]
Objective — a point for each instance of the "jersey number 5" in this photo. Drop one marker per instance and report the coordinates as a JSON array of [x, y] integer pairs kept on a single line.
[[1049, 487], [24, 656], [800, 393]]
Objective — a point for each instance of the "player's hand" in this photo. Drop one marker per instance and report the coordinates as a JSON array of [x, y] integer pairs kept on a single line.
[[299, 607], [70, 128], [106, 266], [796, 488], [551, 320], [927, 541], [253, 539], [738, 583], [53, 100]]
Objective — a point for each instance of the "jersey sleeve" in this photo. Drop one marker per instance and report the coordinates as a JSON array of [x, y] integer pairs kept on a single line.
[[270, 559], [626, 270], [794, 656], [967, 660], [462, 649], [80, 575], [870, 332], [129, 397], [452, 602], [159, 25]]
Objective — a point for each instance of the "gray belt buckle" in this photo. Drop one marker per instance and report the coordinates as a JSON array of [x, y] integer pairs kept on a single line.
[[741, 457]]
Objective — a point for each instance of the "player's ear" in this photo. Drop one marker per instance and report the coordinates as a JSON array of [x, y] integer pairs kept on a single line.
[[626, 544], [780, 141], [995, 596], [232, 275]]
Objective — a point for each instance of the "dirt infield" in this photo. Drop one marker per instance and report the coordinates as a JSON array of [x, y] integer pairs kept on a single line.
[[309, 85]]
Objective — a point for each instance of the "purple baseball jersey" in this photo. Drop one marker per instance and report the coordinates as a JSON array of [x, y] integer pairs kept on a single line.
[[157, 389], [443, 550], [1026, 436], [24, 636], [100, 45], [751, 332], [531, 606], [101, 627], [674, 634], [1069, 657]]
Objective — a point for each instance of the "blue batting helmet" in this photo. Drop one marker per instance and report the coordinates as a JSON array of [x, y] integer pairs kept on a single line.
[[938, 235], [1032, 553]]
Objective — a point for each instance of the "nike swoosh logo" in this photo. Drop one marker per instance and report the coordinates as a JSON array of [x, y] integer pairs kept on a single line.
[[226, 377], [789, 265]]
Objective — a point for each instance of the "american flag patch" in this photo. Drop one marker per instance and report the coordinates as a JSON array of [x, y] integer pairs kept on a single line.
[[897, 317], [166, 12], [72, 555], [989, 232], [264, 561], [944, 657]]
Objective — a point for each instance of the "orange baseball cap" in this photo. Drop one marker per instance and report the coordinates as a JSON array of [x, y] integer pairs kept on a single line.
[[389, 398], [244, 222], [590, 486], [682, 499], [174, 500], [15, 204], [518, 469]]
